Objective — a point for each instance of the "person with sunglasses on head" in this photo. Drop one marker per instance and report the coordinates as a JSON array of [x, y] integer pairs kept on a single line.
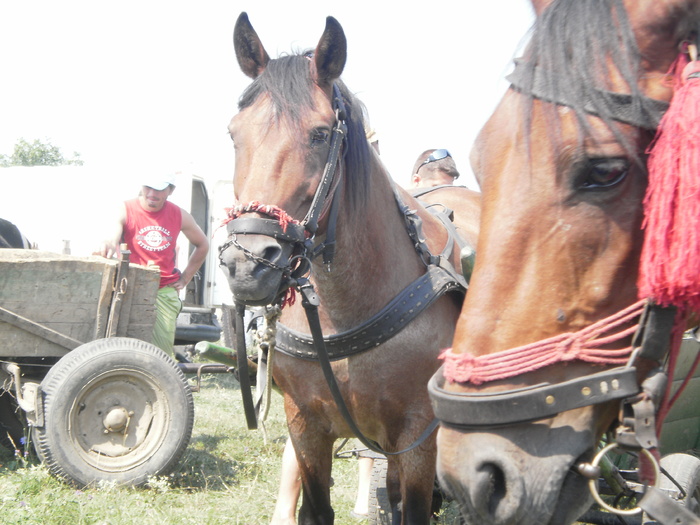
[[434, 167]]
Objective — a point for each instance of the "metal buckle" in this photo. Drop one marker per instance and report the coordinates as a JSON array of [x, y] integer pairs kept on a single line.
[[594, 489]]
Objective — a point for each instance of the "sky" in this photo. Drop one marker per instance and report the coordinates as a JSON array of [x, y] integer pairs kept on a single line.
[[154, 83]]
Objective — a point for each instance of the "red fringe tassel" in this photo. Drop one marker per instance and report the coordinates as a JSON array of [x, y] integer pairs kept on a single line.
[[670, 264]]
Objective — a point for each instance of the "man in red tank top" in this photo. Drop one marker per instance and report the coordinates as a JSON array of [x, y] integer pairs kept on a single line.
[[150, 225]]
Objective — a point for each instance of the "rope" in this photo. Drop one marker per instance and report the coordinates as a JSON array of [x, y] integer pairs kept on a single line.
[[584, 345], [267, 338], [257, 207]]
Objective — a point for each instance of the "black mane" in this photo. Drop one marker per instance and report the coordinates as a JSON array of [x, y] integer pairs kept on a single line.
[[288, 82]]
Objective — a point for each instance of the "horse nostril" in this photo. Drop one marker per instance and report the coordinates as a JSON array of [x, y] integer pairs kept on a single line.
[[273, 253], [231, 268], [492, 487], [269, 257]]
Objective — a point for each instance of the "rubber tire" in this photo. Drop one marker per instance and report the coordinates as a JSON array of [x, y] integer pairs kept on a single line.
[[685, 469], [379, 508], [141, 386]]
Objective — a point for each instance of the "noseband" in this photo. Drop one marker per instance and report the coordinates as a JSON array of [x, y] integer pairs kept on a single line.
[[532, 403]]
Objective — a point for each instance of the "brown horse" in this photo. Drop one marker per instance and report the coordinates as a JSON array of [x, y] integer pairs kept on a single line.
[[308, 183], [562, 168]]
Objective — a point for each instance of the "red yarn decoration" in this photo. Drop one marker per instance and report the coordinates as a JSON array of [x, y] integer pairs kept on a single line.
[[585, 345], [670, 263], [266, 209]]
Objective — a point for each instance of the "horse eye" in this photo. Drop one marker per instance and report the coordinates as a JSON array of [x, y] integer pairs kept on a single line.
[[319, 136], [604, 173]]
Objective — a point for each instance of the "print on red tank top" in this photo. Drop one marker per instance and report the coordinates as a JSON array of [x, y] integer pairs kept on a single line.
[[152, 236]]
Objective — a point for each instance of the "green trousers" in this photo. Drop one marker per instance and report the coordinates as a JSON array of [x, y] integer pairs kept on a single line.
[[168, 306]]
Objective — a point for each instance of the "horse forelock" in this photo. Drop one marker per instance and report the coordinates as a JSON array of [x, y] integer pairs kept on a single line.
[[288, 83], [575, 46]]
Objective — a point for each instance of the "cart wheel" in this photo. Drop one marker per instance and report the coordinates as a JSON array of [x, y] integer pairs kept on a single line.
[[117, 410], [685, 470], [380, 511]]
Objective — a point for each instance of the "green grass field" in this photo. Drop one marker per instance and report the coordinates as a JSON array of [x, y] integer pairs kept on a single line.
[[228, 475]]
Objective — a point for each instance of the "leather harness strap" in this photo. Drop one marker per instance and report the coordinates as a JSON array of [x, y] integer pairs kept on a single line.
[[310, 303], [524, 405], [385, 324]]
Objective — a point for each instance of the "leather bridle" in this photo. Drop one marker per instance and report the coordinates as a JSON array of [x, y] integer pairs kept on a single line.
[[301, 234], [471, 411], [639, 403]]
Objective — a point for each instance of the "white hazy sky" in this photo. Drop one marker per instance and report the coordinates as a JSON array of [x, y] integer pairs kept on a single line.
[[154, 82]]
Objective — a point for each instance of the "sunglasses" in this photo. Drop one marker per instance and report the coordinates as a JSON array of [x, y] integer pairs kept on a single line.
[[438, 154]]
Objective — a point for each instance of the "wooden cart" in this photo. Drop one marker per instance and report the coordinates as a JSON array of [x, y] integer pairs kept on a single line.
[[102, 403]]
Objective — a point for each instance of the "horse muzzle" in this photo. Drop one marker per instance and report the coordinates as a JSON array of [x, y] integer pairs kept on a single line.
[[257, 266], [502, 480]]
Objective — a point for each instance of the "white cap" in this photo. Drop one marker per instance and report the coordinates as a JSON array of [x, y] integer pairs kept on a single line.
[[159, 182]]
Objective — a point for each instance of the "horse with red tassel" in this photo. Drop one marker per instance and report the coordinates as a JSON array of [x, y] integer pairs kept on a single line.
[[567, 328]]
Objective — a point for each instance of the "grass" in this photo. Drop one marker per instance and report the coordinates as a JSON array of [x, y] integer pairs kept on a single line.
[[228, 475]]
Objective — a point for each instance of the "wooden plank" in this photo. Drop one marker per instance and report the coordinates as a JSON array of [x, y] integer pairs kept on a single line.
[[19, 343], [140, 303], [66, 294], [37, 329], [103, 302], [121, 290]]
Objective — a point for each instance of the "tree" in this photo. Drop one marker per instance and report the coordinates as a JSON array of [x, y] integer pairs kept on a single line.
[[38, 153]]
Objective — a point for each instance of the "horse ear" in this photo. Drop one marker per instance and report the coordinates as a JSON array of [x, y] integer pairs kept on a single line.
[[540, 5], [331, 52], [250, 52]]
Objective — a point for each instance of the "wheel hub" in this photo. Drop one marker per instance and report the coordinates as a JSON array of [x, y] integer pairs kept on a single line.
[[116, 420]]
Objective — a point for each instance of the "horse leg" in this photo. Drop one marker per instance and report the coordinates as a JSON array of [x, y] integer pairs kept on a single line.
[[315, 456], [417, 475], [393, 488]]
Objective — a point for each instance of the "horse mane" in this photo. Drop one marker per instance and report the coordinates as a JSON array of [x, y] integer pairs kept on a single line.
[[288, 83], [574, 46]]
